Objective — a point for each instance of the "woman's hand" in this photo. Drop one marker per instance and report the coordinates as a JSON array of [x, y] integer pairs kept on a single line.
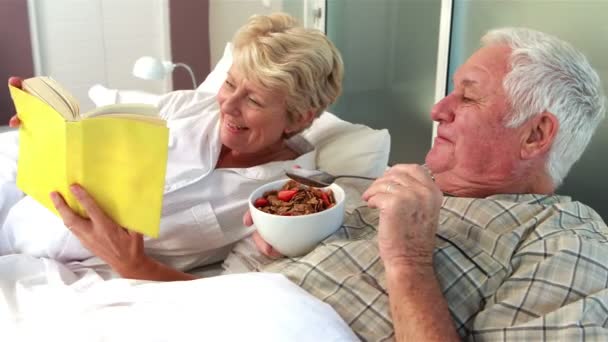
[[262, 246], [409, 203], [122, 249], [14, 120]]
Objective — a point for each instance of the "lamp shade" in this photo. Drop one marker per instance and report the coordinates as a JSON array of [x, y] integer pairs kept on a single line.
[[150, 68]]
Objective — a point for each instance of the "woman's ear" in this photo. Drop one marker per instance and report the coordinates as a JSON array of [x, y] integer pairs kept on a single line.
[[539, 135], [302, 121]]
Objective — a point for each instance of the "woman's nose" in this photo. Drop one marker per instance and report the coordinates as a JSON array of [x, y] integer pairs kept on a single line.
[[231, 105], [444, 109]]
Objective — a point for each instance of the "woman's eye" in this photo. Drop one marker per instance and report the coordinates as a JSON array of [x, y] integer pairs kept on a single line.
[[229, 84], [254, 102]]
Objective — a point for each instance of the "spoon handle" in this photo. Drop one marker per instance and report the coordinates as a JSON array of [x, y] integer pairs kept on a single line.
[[360, 177]]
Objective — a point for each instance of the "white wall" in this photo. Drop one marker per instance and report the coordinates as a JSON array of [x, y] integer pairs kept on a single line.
[[226, 16], [81, 43]]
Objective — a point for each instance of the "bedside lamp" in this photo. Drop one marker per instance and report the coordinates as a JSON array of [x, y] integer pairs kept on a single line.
[[150, 68]]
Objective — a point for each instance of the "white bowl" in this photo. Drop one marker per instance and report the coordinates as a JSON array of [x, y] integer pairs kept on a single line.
[[296, 235]]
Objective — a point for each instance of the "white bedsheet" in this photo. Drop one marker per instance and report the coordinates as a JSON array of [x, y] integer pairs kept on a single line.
[[42, 300]]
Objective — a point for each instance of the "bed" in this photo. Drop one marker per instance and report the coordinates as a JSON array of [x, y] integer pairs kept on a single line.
[[80, 301]]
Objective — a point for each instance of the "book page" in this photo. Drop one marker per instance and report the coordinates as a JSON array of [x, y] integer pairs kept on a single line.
[[52, 93], [137, 117], [133, 111]]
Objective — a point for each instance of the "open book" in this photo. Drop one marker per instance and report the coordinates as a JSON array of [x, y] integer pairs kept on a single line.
[[118, 153]]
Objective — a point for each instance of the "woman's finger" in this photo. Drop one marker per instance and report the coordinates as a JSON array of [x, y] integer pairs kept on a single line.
[[137, 237], [15, 81], [265, 247], [247, 219], [14, 121], [88, 203], [71, 220]]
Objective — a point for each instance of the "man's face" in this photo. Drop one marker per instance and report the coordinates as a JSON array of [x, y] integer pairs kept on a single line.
[[473, 148]]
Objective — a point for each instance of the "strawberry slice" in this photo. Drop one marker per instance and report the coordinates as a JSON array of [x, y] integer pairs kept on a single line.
[[325, 199], [286, 195], [261, 202]]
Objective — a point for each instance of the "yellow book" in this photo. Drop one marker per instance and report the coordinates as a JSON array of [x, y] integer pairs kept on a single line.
[[118, 153]]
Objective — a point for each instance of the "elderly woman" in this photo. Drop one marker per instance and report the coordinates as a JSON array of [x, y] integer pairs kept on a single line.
[[221, 148]]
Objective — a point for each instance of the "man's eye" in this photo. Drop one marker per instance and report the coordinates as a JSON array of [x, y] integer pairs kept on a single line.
[[467, 99]]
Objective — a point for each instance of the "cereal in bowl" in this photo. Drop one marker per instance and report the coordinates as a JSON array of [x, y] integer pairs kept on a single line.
[[295, 199]]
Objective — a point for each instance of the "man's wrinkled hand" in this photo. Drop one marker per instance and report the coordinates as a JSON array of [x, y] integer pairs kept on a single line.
[[409, 203]]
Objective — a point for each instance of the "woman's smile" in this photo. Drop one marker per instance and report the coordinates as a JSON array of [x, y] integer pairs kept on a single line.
[[234, 128]]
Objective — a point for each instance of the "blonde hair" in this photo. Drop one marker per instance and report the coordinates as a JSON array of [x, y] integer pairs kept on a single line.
[[276, 52]]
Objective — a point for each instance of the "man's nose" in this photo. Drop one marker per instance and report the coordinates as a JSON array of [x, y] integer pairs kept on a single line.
[[444, 109]]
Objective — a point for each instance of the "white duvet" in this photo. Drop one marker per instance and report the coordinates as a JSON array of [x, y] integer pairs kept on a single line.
[[42, 300], [45, 300]]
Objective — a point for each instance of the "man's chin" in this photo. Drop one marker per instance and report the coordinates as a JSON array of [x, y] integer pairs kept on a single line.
[[437, 162]]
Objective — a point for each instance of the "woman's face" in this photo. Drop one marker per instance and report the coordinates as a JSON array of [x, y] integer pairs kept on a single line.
[[253, 118]]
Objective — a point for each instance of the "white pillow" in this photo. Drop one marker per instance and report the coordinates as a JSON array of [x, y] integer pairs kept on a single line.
[[101, 96], [343, 147], [217, 76]]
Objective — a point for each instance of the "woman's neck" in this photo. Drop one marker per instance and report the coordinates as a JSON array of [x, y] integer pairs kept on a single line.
[[276, 152]]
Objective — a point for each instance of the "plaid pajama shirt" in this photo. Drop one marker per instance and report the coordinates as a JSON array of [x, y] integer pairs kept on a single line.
[[512, 268]]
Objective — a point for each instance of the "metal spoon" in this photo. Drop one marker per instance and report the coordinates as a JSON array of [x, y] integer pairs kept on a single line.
[[317, 178]]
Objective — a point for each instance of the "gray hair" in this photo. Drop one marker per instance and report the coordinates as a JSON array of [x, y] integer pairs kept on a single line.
[[548, 74]]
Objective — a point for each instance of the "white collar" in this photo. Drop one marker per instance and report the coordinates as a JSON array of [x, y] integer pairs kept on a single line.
[[275, 169]]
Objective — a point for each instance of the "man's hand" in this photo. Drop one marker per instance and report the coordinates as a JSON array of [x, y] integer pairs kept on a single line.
[[122, 249], [262, 246], [14, 120], [409, 203]]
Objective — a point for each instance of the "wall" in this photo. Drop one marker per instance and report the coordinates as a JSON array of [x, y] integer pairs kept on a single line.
[[16, 56], [189, 40], [226, 16]]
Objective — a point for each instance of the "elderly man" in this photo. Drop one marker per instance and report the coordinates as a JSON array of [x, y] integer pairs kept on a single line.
[[485, 250]]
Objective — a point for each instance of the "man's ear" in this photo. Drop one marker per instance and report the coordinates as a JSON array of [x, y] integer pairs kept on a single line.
[[303, 121], [539, 135]]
